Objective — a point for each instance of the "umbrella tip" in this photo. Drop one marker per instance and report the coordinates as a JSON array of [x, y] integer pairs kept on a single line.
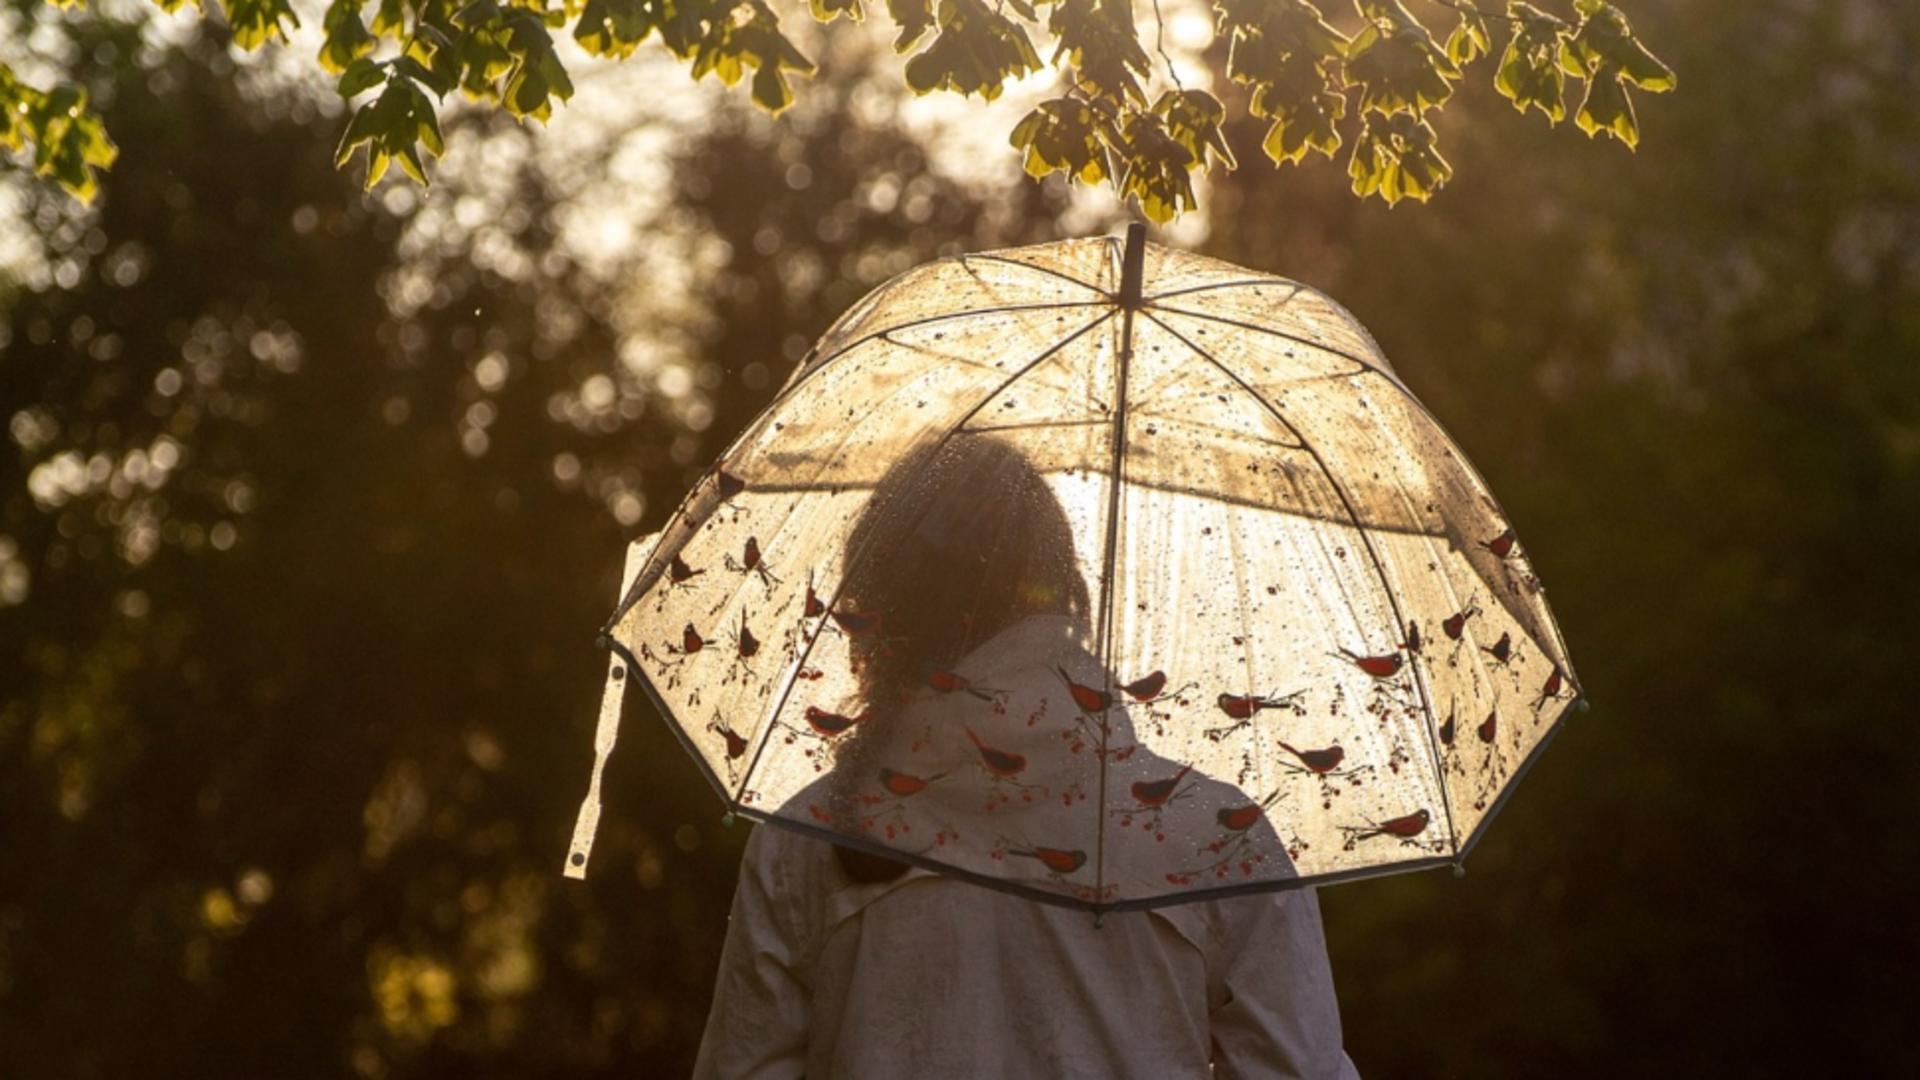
[[1459, 869], [1131, 265]]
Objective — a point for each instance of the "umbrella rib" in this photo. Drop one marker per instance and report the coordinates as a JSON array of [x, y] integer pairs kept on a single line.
[[1107, 583], [1466, 631], [1032, 425], [847, 433], [930, 319], [814, 367], [853, 563], [1365, 365], [990, 257], [1245, 283], [1546, 618], [1373, 555]]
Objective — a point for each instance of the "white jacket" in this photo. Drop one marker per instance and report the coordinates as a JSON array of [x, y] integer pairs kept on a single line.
[[928, 976]]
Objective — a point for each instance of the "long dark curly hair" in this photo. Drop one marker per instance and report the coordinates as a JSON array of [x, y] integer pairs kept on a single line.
[[961, 539]]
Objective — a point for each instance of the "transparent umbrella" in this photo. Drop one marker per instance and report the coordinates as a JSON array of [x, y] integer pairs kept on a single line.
[[1105, 573]]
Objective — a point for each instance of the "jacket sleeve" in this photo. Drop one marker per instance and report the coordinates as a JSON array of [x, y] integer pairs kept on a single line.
[[757, 1028], [1271, 1004]]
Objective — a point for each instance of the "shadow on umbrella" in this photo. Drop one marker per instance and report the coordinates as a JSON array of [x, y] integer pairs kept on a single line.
[[986, 742]]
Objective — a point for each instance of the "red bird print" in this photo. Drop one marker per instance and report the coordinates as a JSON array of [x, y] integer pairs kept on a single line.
[[736, 744], [905, 784], [678, 571], [1147, 687], [752, 562], [1406, 827], [1089, 699], [1318, 762], [1489, 727], [1239, 818], [815, 608], [748, 643], [1157, 792], [1055, 859], [729, 484], [1243, 706], [1384, 666], [857, 623], [1502, 545], [691, 641], [1446, 729], [1001, 763], [1456, 624], [948, 682], [1552, 688], [1412, 644], [830, 724], [1242, 818], [1502, 650]]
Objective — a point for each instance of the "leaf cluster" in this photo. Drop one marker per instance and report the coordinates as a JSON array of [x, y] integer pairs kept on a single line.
[[62, 137], [1376, 90]]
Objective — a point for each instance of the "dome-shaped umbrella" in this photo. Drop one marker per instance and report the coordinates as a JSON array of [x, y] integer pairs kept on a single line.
[[1113, 575]]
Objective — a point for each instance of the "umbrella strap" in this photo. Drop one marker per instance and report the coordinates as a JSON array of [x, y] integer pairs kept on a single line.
[[608, 729]]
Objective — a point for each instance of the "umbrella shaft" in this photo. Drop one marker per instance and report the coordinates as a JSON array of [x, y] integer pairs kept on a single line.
[[1131, 264]]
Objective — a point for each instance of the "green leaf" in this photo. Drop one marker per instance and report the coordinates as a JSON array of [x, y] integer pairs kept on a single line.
[[1066, 135], [613, 28], [360, 76], [770, 89], [915, 18], [976, 51], [394, 126], [478, 14], [390, 19], [728, 48], [1397, 62], [1604, 38], [1099, 40], [70, 144], [1156, 168], [1643, 69], [346, 38], [1530, 72], [828, 10], [1305, 107], [1396, 158], [1194, 119], [1265, 32], [1608, 108], [1288, 54], [417, 71], [537, 77], [1469, 40], [255, 22]]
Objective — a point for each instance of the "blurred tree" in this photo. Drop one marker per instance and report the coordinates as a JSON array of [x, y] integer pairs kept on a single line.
[[310, 504], [1382, 81]]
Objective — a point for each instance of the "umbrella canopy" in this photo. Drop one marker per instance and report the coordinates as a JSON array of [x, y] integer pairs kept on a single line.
[[1107, 573]]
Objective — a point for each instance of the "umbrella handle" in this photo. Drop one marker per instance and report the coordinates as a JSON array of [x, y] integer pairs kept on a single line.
[[1131, 265], [608, 727]]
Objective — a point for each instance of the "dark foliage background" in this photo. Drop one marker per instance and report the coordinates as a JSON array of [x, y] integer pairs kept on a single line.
[[310, 506]]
